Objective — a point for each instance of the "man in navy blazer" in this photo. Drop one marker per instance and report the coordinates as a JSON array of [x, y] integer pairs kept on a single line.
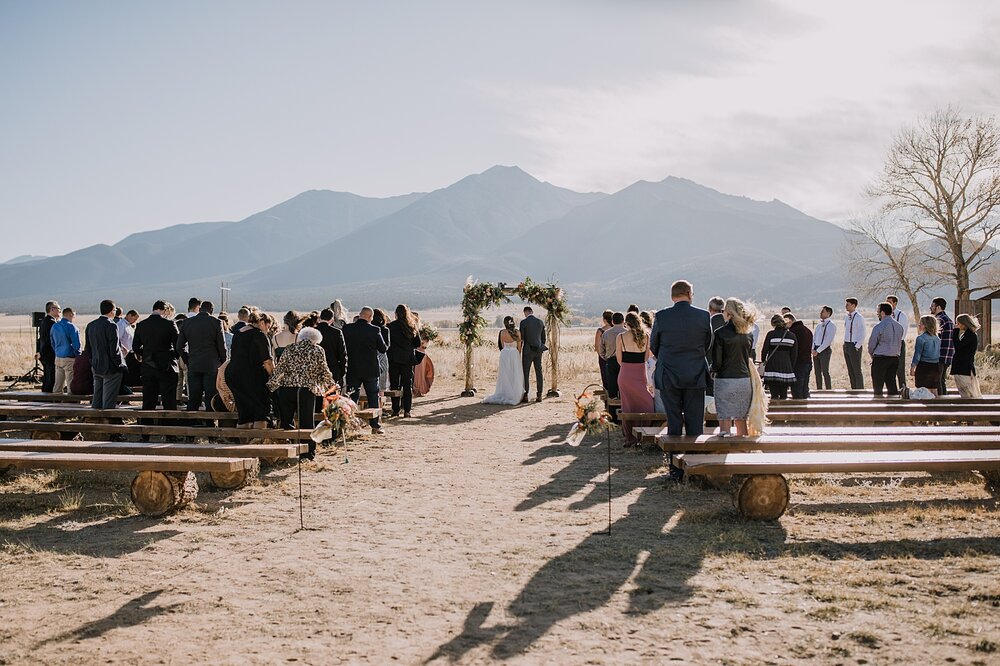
[[680, 340], [105, 357], [364, 342]]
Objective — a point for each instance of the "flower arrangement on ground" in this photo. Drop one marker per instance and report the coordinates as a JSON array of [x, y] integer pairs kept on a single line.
[[591, 417], [340, 416]]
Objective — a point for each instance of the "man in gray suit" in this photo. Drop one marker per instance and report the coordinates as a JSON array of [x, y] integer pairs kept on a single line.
[[206, 352], [533, 344], [680, 340]]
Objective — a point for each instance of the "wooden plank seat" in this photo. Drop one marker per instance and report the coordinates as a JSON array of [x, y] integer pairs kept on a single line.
[[165, 430], [163, 482], [652, 434], [778, 406], [85, 412], [929, 440], [255, 450], [902, 416], [18, 396], [760, 490]]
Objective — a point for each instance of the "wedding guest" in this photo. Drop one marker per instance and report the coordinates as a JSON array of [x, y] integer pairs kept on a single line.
[[243, 318], [380, 320], [854, 336], [66, 345], [289, 332], [249, 368], [423, 373], [118, 315], [227, 333], [106, 360], [404, 340], [631, 352], [333, 346], [681, 338], [632, 308], [364, 342], [44, 352], [822, 349], [206, 344], [945, 330], [311, 320], [731, 365], [965, 340], [883, 346], [155, 347], [83, 374], [715, 306], [755, 337], [182, 358], [126, 330], [647, 321], [803, 356], [339, 314], [900, 318], [785, 310], [778, 355], [924, 366], [598, 335], [611, 366], [300, 377]]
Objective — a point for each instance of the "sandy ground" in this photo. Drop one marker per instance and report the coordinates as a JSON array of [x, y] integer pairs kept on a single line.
[[470, 533]]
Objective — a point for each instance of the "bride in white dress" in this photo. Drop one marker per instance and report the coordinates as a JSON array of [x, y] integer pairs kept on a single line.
[[510, 372]]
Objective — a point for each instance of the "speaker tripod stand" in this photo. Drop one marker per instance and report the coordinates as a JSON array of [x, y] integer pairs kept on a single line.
[[32, 376]]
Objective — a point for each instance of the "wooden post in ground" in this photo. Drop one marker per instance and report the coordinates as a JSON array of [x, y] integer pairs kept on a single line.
[[553, 326], [470, 389]]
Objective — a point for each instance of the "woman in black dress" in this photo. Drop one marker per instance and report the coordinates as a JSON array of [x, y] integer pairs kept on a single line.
[[777, 355], [250, 366], [403, 340]]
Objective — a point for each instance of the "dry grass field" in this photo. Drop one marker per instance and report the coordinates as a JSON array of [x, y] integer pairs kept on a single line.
[[472, 534]]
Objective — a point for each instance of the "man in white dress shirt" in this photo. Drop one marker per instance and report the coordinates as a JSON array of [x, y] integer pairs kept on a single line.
[[822, 350], [900, 318], [854, 340]]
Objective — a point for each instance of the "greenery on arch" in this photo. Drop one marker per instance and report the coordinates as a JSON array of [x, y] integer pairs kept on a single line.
[[484, 295]]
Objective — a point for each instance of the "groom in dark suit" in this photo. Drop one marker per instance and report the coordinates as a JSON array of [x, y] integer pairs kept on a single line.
[[533, 344], [680, 340]]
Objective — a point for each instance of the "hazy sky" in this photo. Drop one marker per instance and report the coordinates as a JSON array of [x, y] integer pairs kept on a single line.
[[125, 116]]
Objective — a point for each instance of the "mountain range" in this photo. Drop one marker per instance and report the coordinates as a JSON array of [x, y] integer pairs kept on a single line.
[[501, 224]]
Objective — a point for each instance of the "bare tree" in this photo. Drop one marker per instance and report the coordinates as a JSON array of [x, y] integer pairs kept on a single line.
[[945, 172], [884, 255]]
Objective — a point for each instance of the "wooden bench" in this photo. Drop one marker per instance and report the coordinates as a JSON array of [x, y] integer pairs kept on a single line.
[[900, 416], [242, 434], [163, 482], [778, 406], [18, 396], [85, 412], [760, 491], [653, 434]]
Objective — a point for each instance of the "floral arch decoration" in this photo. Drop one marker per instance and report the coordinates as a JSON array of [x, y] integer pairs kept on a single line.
[[479, 296]]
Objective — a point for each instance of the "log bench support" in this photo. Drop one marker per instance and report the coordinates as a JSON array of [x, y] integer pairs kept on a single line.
[[158, 493], [760, 496]]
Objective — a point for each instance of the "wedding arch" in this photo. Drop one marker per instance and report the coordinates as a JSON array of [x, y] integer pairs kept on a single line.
[[479, 296]]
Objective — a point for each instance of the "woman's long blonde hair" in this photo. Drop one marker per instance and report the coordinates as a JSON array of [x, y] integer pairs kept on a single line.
[[742, 316], [968, 321], [930, 324]]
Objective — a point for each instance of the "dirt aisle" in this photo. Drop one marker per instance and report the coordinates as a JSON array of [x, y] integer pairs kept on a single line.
[[470, 533]]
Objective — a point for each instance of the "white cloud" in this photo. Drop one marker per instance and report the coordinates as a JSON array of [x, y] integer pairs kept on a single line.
[[805, 117]]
